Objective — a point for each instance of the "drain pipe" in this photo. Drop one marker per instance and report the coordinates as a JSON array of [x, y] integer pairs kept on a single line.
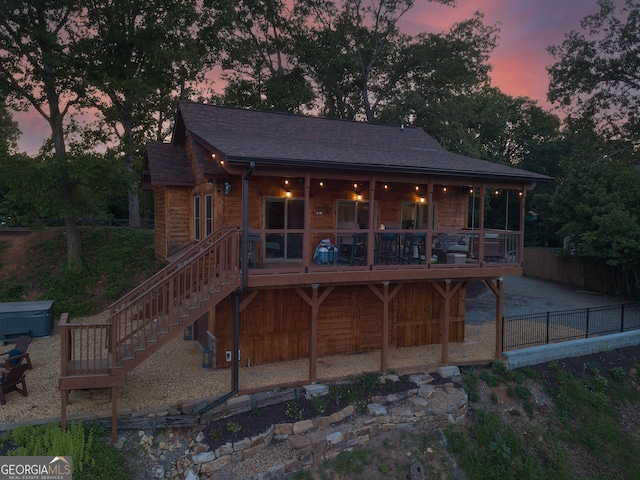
[[245, 225], [236, 294]]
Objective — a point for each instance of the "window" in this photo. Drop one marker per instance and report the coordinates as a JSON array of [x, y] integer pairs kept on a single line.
[[196, 218], [208, 214], [416, 215], [283, 214], [353, 211]]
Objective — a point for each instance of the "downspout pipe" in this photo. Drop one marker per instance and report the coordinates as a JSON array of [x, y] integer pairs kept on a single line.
[[245, 225], [236, 294]]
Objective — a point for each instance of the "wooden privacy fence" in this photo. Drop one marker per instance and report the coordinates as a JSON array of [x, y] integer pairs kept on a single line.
[[522, 331], [551, 264]]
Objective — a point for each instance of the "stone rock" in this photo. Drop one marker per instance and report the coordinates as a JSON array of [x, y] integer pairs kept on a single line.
[[418, 401], [302, 426], [421, 378], [316, 390], [449, 371], [298, 441], [200, 437], [203, 457], [191, 476], [416, 471], [157, 471], [426, 391], [333, 438], [376, 410]]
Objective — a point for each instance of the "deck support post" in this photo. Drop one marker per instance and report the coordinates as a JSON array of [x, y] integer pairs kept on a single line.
[[63, 410], [114, 415], [447, 294], [385, 297], [313, 350], [498, 290], [314, 302]]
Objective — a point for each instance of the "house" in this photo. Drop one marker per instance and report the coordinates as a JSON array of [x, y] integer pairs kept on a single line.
[[294, 237]]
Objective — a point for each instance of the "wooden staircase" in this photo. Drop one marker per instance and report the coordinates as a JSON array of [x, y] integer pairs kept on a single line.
[[95, 355]]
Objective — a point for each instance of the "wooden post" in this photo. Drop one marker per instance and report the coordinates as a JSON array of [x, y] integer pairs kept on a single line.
[[385, 328], [306, 236], [445, 331], [63, 409], [385, 297], [114, 415], [498, 290], [314, 302], [523, 197], [447, 294], [500, 285], [313, 350]]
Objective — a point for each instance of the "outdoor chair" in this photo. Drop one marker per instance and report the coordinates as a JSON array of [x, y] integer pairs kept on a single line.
[[13, 381], [17, 354]]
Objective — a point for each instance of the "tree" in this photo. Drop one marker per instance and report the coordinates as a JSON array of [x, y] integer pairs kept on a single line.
[[355, 54], [595, 204], [257, 58], [148, 54], [43, 66], [596, 70]]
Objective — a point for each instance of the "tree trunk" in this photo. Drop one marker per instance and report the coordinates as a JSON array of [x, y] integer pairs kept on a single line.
[[129, 161], [134, 207]]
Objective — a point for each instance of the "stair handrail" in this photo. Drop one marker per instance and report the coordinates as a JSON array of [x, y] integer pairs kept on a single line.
[[147, 309], [190, 251]]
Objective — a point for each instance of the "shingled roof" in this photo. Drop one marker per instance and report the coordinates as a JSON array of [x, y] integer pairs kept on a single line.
[[242, 135]]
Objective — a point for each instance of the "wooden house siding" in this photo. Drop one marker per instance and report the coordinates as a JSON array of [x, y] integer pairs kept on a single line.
[[179, 206], [160, 224], [275, 325]]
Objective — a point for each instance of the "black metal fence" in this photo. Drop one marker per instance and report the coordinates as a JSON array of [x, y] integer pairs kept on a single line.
[[522, 331]]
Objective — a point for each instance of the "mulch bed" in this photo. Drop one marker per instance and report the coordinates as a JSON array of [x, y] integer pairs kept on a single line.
[[254, 423]]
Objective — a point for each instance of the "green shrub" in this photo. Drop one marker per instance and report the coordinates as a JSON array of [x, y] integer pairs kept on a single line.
[[293, 410], [319, 404], [93, 457]]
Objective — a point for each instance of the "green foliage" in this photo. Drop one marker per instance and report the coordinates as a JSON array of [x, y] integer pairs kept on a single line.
[[50, 439], [115, 258], [319, 404], [336, 393], [584, 406], [93, 458], [491, 380], [216, 434], [346, 464], [491, 450], [471, 380], [234, 428], [293, 410]]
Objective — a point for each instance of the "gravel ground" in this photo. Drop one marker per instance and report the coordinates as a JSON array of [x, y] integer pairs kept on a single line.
[[174, 374]]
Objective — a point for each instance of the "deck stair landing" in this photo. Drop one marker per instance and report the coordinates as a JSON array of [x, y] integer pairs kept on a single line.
[[98, 355]]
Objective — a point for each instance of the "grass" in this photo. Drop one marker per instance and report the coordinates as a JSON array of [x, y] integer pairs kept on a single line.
[[586, 437], [114, 261]]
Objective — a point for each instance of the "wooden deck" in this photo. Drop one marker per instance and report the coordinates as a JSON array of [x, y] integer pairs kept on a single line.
[[99, 355]]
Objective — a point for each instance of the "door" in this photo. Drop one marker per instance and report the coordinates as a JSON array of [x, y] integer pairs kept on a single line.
[[284, 222]]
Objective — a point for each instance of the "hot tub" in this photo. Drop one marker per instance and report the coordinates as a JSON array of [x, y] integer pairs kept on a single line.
[[25, 318]]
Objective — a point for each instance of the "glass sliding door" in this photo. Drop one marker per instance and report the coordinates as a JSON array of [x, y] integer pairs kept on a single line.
[[283, 215]]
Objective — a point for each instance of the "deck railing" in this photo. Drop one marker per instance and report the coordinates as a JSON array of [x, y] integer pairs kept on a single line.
[[153, 307]]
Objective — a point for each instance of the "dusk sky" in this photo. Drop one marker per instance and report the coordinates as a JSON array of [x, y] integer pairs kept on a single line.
[[527, 28]]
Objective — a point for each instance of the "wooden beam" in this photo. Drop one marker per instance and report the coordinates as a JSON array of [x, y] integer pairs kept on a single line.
[[447, 294], [385, 297], [314, 301], [248, 299]]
